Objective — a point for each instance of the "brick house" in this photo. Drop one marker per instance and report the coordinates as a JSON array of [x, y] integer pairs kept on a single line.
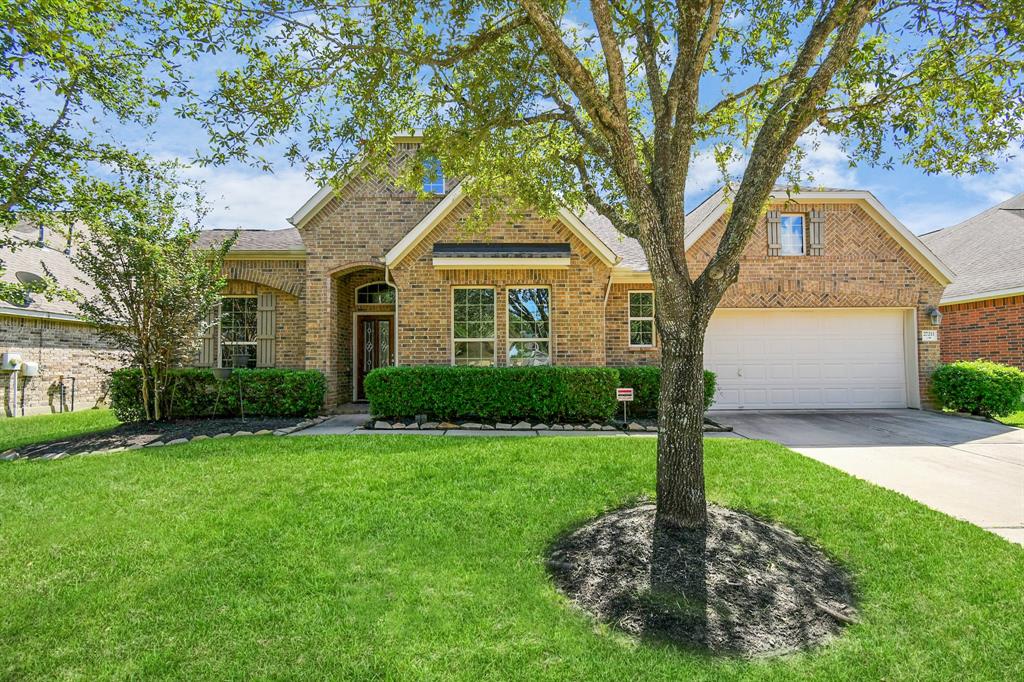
[[71, 361], [983, 310], [828, 312]]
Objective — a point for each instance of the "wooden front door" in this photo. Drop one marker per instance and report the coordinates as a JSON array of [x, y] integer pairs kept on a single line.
[[375, 346]]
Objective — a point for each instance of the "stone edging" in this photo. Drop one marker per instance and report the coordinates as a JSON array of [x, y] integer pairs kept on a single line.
[[13, 454], [635, 427]]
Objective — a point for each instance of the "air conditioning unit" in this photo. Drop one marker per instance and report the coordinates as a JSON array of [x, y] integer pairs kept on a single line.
[[30, 369], [10, 362]]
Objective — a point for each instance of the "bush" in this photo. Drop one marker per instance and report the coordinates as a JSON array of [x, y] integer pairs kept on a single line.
[[646, 383], [546, 394], [980, 387], [195, 392]]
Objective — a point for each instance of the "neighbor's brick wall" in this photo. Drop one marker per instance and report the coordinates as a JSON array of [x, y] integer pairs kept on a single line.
[[63, 350], [862, 266], [577, 293], [992, 329], [353, 231]]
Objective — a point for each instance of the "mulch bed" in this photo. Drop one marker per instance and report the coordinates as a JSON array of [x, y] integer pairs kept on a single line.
[[140, 434], [746, 587]]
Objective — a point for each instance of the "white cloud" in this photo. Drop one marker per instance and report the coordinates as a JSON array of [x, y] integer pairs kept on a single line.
[[997, 187], [826, 164], [244, 197], [705, 174]]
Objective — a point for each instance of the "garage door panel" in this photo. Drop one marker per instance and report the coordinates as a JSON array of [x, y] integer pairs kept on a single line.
[[789, 359]]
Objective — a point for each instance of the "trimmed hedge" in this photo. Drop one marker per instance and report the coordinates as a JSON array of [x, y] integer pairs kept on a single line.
[[546, 394], [646, 384], [195, 392], [509, 394], [980, 387]]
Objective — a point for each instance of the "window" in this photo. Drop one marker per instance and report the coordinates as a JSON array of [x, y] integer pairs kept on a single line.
[[529, 326], [237, 331], [375, 294], [641, 318], [433, 177], [473, 326], [791, 235]]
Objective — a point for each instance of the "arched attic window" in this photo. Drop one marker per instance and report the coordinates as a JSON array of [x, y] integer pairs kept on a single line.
[[375, 293]]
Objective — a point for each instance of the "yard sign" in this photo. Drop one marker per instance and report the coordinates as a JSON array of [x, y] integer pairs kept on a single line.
[[624, 395]]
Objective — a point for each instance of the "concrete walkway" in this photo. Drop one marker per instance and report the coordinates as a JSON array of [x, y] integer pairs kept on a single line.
[[972, 470]]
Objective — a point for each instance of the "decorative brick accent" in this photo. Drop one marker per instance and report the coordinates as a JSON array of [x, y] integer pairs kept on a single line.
[[63, 350], [992, 329]]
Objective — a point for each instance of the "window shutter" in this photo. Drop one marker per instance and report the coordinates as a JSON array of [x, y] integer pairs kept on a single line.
[[266, 326], [774, 233], [817, 233], [208, 340]]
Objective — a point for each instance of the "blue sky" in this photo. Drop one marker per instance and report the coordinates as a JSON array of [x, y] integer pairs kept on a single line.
[[245, 197]]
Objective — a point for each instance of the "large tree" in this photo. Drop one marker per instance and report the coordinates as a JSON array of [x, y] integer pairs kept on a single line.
[[607, 103]]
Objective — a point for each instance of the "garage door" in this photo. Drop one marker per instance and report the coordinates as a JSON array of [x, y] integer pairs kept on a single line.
[[796, 359]]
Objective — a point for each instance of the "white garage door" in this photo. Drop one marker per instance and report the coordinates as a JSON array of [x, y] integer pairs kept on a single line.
[[795, 359]]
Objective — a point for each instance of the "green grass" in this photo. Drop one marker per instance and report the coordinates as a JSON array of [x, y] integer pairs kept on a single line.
[[20, 431], [422, 558], [1015, 419]]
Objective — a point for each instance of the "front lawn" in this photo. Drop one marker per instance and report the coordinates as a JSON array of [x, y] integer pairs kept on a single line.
[[422, 558], [1015, 419], [18, 431]]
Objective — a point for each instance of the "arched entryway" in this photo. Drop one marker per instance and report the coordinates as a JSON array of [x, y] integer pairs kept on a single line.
[[366, 328]]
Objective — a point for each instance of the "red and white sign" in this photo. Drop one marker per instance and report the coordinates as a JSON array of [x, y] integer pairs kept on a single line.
[[624, 395]]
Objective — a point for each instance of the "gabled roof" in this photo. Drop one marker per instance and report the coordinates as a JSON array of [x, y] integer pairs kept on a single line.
[[986, 251], [707, 217], [257, 242], [455, 197]]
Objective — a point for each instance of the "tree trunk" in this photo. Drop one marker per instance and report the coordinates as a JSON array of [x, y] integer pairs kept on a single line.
[[680, 485]]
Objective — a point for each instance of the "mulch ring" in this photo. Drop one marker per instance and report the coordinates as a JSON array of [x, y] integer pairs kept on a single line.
[[147, 434], [745, 587]]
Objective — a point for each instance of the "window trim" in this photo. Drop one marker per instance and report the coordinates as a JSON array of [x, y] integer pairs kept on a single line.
[[220, 329], [509, 340], [451, 321], [803, 233], [355, 293], [630, 318]]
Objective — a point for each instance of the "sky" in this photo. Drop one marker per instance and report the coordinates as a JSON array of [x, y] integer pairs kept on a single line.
[[245, 197]]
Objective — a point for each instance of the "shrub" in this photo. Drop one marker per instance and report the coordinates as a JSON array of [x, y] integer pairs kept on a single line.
[[980, 387], [547, 394], [196, 392], [646, 382]]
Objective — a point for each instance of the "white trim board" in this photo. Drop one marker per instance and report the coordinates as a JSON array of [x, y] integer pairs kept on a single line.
[[982, 296]]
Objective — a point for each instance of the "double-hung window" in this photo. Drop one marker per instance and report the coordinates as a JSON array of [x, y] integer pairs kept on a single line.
[[791, 234], [473, 326], [529, 326], [641, 318], [237, 331]]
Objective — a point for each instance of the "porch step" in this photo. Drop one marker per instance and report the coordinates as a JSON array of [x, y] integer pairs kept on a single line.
[[351, 408]]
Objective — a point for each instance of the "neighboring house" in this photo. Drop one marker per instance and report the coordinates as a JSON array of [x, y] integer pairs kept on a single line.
[[827, 313], [983, 310], [73, 361]]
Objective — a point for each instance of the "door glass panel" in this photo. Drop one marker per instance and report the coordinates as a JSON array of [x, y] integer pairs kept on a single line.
[[385, 342], [367, 345]]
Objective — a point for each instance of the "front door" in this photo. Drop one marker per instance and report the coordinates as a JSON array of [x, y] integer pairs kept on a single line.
[[375, 343]]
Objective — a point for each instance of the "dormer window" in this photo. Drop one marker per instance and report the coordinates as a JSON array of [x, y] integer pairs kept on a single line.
[[433, 177]]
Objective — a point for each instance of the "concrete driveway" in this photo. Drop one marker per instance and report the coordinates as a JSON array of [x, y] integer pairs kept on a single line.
[[969, 469]]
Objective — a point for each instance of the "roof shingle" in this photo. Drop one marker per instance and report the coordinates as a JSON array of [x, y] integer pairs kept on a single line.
[[986, 251]]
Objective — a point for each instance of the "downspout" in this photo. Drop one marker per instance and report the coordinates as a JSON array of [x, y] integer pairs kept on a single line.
[[390, 283], [604, 322]]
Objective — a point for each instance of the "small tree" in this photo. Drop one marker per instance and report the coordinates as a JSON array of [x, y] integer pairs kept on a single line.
[[154, 288]]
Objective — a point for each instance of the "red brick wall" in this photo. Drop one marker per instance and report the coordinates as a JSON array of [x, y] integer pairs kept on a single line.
[[992, 329]]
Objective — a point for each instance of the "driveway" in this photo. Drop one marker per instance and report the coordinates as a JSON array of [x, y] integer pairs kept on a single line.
[[969, 469]]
